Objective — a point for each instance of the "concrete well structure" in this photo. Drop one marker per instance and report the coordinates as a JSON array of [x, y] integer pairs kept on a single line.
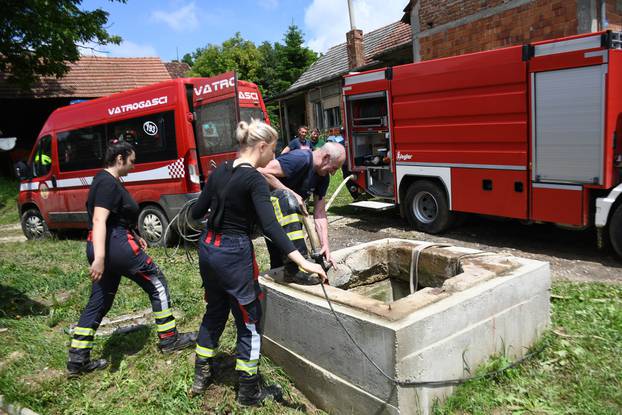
[[469, 306]]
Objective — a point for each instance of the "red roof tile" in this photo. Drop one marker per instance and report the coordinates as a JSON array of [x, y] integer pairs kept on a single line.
[[177, 69], [93, 76]]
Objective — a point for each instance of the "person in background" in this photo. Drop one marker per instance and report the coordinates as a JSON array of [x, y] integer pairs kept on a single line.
[[316, 140], [113, 250], [337, 137], [299, 142], [237, 197]]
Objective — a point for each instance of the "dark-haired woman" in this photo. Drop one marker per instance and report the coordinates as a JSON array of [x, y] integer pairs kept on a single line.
[[113, 250], [238, 196]]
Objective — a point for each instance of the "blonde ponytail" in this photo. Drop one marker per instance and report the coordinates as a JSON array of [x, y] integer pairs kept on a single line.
[[250, 134]]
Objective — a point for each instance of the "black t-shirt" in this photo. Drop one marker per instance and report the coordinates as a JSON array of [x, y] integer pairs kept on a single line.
[[108, 192], [247, 201]]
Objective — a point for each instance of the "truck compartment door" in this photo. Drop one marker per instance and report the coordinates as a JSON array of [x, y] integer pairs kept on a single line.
[[568, 125]]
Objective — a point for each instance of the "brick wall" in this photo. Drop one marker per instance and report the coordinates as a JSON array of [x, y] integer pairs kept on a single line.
[[434, 13], [537, 20], [614, 15]]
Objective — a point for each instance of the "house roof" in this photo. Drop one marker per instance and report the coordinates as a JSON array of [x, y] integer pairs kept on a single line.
[[334, 62], [177, 69], [93, 76], [407, 10]]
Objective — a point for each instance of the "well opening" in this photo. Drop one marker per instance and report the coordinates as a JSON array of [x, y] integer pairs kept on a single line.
[[383, 272]]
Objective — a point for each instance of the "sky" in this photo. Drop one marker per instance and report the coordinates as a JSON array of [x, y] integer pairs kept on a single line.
[[171, 28]]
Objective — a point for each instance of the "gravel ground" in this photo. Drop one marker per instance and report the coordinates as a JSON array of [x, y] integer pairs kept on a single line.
[[573, 255]]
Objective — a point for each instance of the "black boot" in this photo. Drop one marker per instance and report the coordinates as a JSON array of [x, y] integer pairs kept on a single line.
[[252, 393], [81, 363], [178, 341], [203, 375]]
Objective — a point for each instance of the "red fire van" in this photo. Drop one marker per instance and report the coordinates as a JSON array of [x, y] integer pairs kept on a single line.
[[181, 130]]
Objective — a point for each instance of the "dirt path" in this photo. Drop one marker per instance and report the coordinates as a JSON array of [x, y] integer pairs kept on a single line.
[[11, 233], [573, 255]]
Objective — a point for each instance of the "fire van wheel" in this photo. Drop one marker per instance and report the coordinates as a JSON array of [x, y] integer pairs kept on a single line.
[[427, 209], [152, 224], [615, 230], [34, 226]]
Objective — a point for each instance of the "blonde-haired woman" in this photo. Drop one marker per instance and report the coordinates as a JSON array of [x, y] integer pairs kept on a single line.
[[237, 196]]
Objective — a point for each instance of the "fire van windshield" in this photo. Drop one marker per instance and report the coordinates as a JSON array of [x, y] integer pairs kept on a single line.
[[247, 113]]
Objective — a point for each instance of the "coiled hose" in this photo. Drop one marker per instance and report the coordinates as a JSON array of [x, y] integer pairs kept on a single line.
[[188, 229]]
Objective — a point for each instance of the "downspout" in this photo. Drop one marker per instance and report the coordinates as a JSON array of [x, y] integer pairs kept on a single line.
[[603, 15]]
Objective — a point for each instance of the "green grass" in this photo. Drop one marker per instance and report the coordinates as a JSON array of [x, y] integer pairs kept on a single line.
[[579, 370], [43, 288], [9, 188], [344, 198]]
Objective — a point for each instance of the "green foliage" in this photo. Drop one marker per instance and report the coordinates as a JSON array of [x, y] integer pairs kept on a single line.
[[235, 54], [292, 59], [39, 37], [187, 58], [272, 67], [9, 188]]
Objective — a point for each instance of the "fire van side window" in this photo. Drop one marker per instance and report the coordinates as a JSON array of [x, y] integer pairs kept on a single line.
[[153, 136], [81, 149], [42, 158]]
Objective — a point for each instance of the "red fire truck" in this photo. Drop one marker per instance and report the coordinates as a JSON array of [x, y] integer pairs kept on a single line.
[[181, 130], [530, 132]]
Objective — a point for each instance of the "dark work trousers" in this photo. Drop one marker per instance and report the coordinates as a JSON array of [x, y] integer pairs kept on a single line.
[[291, 223], [230, 278], [123, 257]]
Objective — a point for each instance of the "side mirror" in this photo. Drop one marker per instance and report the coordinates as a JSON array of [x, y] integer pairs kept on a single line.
[[22, 171]]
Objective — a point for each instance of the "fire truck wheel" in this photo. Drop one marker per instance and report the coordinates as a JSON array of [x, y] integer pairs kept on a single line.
[[152, 224], [615, 230], [427, 209], [34, 226]]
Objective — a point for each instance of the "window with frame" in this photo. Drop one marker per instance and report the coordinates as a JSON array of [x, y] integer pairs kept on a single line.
[[153, 136], [42, 158], [317, 112], [81, 149], [248, 113], [332, 118], [215, 127]]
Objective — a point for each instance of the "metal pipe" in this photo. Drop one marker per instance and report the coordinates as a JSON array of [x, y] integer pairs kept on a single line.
[[351, 11], [603, 15]]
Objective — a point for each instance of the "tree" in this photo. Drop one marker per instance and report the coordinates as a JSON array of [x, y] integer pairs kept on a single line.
[[40, 37], [272, 67], [292, 59], [187, 58], [235, 54], [266, 74]]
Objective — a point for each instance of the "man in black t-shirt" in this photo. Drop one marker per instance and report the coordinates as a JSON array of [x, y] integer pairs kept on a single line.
[[304, 173]]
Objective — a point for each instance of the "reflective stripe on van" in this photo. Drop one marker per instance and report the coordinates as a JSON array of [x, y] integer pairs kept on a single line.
[[173, 170]]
